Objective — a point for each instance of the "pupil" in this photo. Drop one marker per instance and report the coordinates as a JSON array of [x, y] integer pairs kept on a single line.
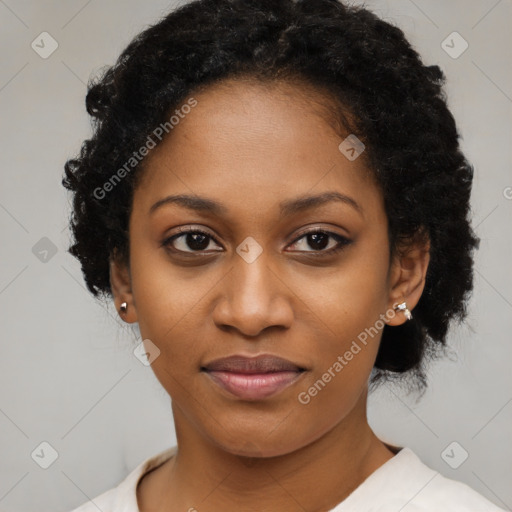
[[197, 241], [315, 237]]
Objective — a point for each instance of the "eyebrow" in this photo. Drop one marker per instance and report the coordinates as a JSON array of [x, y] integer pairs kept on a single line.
[[288, 207], [306, 202]]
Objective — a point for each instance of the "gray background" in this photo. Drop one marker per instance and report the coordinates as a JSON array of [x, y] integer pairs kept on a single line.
[[67, 372]]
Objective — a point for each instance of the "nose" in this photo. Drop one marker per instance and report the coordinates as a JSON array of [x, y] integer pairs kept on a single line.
[[253, 298]]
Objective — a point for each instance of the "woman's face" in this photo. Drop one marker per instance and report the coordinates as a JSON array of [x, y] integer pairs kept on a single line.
[[256, 283]]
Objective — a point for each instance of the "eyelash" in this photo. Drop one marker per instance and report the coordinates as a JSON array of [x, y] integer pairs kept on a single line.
[[342, 241]]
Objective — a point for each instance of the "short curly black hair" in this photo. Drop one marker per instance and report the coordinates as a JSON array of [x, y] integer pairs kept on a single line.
[[395, 104]]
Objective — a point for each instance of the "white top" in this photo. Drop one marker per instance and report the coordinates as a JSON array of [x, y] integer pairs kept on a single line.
[[403, 483]]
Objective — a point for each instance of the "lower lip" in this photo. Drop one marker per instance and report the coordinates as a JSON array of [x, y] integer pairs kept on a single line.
[[255, 386]]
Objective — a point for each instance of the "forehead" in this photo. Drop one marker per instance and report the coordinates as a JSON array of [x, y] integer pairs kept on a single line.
[[253, 144]]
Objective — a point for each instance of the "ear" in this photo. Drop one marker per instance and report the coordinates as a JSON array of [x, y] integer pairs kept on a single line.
[[407, 276], [121, 286]]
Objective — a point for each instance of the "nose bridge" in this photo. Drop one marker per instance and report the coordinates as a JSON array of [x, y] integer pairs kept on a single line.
[[253, 296], [253, 279]]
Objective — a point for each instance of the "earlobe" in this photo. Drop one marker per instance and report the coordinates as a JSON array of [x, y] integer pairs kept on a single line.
[[407, 281], [121, 286]]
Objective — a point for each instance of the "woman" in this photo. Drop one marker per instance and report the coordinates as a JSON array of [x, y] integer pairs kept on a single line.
[[275, 193]]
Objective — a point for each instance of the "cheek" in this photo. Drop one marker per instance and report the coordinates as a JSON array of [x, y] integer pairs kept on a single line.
[[353, 297], [345, 357], [166, 297], [174, 312], [351, 306]]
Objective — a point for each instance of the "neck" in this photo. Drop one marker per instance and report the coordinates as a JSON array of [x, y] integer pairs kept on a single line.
[[314, 477]]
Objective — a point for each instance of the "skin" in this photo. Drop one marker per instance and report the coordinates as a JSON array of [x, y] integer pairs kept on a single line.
[[258, 455]]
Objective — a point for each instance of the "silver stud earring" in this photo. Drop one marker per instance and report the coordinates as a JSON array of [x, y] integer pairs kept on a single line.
[[124, 307], [403, 307]]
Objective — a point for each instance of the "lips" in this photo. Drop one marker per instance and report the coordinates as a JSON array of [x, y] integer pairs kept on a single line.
[[260, 364], [253, 378]]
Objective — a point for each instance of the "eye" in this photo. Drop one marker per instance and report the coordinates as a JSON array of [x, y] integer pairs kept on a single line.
[[196, 240], [318, 239], [189, 241]]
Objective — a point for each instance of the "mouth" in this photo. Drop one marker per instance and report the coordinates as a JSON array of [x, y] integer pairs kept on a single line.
[[253, 378]]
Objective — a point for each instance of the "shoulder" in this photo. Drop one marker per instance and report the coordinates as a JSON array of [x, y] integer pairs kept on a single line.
[[405, 483], [426, 490], [123, 497]]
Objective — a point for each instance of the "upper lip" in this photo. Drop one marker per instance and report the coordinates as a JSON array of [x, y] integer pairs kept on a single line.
[[264, 363]]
